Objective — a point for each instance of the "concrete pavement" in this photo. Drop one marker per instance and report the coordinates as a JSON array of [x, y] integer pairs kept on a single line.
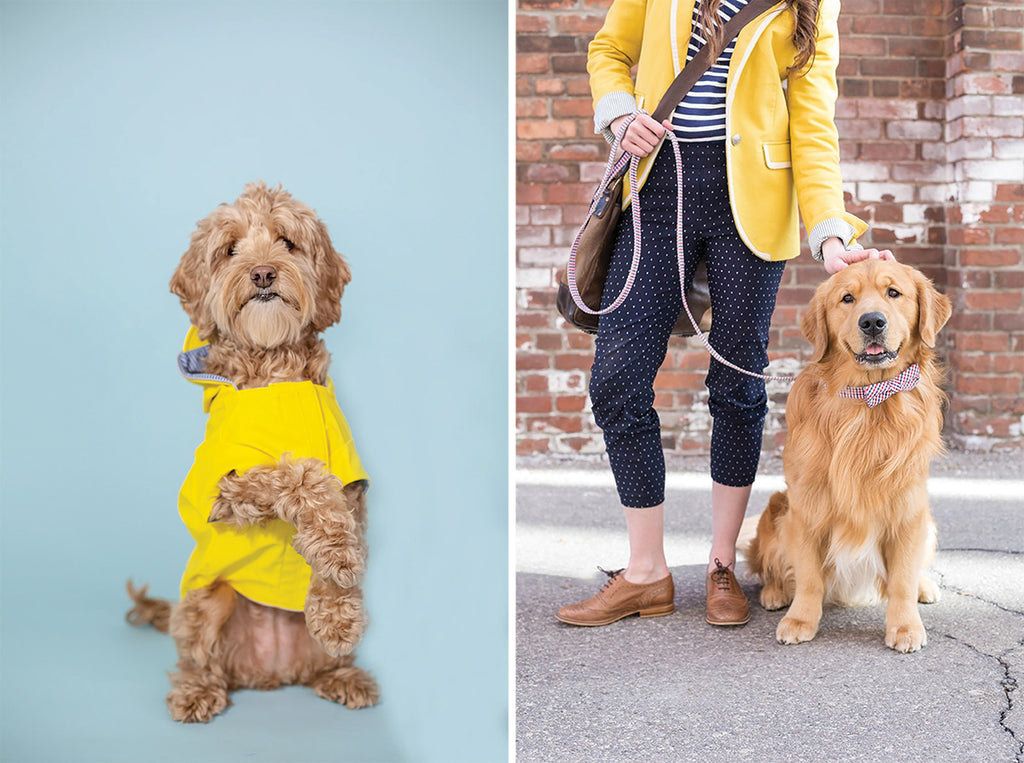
[[676, 689]]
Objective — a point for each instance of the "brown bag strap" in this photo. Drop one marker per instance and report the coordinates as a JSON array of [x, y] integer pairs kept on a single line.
[[701, 62]]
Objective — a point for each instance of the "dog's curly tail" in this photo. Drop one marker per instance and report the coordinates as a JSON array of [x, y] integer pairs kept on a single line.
[[147, 611]]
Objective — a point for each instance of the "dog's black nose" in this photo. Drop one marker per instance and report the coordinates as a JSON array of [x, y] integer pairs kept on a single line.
[[263, 275], [872, 324]]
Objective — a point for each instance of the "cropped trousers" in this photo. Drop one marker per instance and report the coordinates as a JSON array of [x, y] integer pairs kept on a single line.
[[632, 340]]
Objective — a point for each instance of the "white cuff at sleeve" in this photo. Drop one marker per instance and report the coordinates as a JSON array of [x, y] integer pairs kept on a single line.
[[834, 226], [610, 108]]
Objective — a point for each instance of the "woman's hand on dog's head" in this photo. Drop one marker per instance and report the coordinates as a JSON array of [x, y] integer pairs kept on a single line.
[[837, 257]]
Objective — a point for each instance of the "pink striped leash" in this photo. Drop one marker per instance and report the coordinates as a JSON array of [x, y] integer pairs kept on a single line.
[[613, 169]]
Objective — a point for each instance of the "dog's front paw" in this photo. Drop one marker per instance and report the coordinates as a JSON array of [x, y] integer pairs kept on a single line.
[[194, 701], [335, 620], [350, 686], [795, 631], [774, 597], [906, 637], [239, 502]]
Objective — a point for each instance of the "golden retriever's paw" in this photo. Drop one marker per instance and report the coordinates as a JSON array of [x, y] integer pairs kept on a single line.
[[927, 591], [774, 597], [349, 686], [196, 702], [794, 631], [905, 638]]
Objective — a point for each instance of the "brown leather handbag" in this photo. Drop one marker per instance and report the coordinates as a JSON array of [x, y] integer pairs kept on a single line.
[[592, 250]]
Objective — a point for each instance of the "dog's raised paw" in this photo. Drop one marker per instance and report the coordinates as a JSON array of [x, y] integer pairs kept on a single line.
[[794, 631], [335, 620]]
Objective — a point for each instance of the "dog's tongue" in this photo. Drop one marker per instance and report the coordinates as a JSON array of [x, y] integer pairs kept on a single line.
[[874, 349]]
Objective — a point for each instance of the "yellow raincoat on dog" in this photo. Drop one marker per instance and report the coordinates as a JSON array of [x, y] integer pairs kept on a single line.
[[249, 427]]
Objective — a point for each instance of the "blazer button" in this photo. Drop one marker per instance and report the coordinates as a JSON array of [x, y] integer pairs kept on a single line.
[[736, 139]]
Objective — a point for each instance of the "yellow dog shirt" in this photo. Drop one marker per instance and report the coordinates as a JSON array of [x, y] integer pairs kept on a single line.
[[249, 427]]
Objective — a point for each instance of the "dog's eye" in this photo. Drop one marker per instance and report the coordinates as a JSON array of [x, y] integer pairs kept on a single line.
[[848, 299], [288, 244], [893, 293], [231, 249]]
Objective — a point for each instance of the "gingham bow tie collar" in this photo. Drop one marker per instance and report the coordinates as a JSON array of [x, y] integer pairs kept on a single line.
[[879, 392]]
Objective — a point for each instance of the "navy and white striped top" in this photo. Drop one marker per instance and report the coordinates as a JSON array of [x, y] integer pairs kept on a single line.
[[700, 116]]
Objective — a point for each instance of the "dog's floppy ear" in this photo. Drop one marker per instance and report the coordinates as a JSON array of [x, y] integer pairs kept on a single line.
[[814, 323], [191, 281], [933, 309], [332, 274]]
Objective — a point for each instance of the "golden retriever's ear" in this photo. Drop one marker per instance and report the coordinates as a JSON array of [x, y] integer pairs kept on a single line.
[[191, 281], [814, 324], [333, 275], [933, 309]]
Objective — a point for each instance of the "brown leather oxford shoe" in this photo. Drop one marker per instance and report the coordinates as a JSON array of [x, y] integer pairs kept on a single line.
[[726, 603], [618, 598]]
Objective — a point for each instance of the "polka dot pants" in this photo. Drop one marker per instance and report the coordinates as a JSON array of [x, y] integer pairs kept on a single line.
[[632, 340]]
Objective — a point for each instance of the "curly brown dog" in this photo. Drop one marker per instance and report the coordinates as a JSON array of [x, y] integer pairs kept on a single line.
[[854, 524], [275, 498]]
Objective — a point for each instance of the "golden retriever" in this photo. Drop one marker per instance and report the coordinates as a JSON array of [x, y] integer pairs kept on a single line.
[[854, 525]]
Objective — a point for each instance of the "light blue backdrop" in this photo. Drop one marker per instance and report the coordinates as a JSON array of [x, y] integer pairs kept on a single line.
[[123, 123]]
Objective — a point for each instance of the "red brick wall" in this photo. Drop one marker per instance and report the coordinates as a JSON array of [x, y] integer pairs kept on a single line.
[[930, 119]]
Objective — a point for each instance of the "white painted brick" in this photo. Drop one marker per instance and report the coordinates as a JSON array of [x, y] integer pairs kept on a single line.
[[522, 214], [563, 236], [534, 278], [905, 234], [915, 130], [591, 172], [922, 173], [875, 191], [975, 190], [1009, 149], [993, 169], [533, 236], [935, 110], [1008, 106], [969, 148], [543, 255], [954, 130], [933, 151], [886, 109], [566, 381], [939, 193], [972, 213], [915, 213], [545, 215], [968, 105], [865, 171]]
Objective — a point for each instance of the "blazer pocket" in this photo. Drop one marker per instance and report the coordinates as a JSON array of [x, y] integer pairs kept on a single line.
[[776, 155]]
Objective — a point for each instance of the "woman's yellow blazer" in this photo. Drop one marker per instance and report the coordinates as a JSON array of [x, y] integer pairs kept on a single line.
[[781, 146]]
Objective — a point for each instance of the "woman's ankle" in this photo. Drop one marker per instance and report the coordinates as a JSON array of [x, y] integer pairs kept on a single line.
[[642, 573]]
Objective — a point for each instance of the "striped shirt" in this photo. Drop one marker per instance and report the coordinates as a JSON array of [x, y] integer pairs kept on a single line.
[[700, 116]]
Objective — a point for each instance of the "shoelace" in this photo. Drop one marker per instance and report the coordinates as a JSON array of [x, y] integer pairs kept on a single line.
[[615, 167], [720, 575], [612, 574]]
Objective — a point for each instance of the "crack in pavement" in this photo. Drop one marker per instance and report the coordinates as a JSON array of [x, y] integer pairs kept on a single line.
[[1009, 682]]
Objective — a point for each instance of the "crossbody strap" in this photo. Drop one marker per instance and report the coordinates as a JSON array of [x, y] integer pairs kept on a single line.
[[701, 62]]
